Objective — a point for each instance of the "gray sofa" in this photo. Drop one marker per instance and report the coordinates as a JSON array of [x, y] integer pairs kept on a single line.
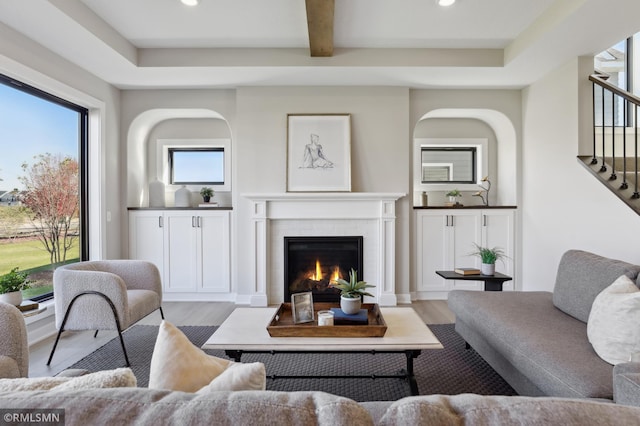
[[127, 406], [537, 341]]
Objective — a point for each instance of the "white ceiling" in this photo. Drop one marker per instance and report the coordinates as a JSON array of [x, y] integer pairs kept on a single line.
[[231, 43]]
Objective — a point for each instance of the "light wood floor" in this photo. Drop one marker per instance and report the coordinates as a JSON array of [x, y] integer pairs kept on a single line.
[[74, 346]]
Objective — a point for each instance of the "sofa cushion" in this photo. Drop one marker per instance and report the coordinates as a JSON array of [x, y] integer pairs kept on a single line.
[[544, 344], [143, 406], [120, 377], [176, 364], [614, 322], [626, 383], [471, 409], [582, 276]]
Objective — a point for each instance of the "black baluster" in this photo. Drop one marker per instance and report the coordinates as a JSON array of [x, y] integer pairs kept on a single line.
[[636, 194], [613, 137], [594, 160], [603, 168], [624, 184]]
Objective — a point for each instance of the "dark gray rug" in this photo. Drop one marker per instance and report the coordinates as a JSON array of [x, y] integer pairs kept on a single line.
[[449, 371]]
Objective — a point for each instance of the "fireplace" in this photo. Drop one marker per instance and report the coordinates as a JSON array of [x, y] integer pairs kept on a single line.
[[311, 263]]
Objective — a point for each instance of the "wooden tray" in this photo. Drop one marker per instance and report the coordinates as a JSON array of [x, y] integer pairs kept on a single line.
[[281, 325]]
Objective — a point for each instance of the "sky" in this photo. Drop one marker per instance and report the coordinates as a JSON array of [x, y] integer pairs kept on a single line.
[[30, 126]]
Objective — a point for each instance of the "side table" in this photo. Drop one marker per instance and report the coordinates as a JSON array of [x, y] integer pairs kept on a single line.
[[491, 282]]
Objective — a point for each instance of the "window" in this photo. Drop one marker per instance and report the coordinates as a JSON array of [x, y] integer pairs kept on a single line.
[[197, 166], [448, 164], [620, 63], [44, 150]]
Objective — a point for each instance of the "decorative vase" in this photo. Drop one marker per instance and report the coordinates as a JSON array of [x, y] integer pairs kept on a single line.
[[350, 305], [488, 268], [183, 197], [13, 298], [156, 194]]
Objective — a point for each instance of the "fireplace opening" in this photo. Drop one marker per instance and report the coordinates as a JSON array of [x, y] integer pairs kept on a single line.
[[312, 263]]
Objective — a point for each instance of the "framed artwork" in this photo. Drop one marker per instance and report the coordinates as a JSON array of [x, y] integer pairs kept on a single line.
[[318, 152], [302, 307]]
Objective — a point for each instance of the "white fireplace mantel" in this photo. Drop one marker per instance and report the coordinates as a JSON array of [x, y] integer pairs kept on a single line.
[[368, 207]]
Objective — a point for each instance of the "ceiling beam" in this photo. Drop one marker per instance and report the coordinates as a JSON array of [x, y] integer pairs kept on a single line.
[[320, 24]]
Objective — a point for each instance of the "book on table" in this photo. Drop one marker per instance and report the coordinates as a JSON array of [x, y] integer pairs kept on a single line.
[[467, 271], [28, 305], [340, 318]]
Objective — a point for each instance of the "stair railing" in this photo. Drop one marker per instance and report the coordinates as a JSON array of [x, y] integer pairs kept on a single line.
[[599, 82]]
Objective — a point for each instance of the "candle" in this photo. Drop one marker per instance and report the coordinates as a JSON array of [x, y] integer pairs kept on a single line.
[[325, 318]]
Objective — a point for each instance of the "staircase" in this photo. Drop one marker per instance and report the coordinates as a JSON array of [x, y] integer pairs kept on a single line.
[[614, 159]]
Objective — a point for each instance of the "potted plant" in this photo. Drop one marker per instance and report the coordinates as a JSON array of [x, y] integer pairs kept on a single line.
[[351, 292], [206, 193], [488, 257], [11, 286], [453, 196]]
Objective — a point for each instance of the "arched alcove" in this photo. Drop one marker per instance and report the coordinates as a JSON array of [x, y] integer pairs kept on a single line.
[[506, 156], [137, 139]]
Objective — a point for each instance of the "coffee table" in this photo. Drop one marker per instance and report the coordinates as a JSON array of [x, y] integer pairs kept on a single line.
[[245, 331]]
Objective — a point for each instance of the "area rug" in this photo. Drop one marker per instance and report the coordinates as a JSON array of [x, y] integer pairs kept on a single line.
[[449, 371]]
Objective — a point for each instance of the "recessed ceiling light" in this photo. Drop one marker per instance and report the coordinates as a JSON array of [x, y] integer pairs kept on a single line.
[[446, 2], [190, 2]]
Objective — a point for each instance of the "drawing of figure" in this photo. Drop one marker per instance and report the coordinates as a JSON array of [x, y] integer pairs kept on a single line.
[[314, 156]]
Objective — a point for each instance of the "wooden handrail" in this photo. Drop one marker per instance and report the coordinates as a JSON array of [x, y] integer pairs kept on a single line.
[[599, 80]]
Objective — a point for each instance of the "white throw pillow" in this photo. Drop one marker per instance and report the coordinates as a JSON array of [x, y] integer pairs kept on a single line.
[[118, 378], [613, 327], [177, 364]]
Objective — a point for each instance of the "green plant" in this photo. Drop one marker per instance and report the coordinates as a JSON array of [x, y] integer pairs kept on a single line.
[[352, 288], [454, 193], [489, 255], [14, 281], [206, 192]]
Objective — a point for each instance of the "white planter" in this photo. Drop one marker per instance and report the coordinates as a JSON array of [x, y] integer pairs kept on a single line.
[[488, 268], [350, 305], [14, 298]]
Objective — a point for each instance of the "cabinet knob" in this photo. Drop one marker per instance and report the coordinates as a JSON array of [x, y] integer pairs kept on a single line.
[[160, 222]]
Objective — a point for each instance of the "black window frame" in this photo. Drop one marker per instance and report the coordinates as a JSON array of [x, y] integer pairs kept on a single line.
[[474, 162], [83, 157], [172, 150]]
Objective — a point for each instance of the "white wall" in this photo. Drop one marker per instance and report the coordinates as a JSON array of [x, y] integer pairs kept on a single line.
[[563, 206]]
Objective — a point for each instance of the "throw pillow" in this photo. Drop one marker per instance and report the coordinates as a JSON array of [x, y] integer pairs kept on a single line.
[[177, 364], [612, 327], [120, 377]]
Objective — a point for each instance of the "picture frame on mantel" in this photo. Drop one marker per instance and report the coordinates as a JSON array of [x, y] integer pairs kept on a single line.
[[318, 152]]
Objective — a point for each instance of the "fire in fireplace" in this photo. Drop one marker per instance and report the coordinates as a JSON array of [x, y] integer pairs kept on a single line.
[[312, 263]]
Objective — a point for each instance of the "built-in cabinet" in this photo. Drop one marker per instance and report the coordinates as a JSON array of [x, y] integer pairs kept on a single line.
[[191, 248], [446, 237]]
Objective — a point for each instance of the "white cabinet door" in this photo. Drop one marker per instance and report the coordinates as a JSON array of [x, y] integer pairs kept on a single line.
[[146, 237], [498, 230], [214, 246], [181, 254], [432, 244], [465, 230]]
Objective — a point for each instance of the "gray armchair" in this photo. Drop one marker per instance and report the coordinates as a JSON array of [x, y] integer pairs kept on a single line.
[[105, 295], [14, 351]]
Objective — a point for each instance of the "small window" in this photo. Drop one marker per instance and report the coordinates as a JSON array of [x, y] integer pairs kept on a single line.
[[448, 164], [197, 166]]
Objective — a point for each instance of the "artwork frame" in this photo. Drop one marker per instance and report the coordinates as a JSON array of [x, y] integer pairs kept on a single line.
[[319, 152], [302, 307]]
